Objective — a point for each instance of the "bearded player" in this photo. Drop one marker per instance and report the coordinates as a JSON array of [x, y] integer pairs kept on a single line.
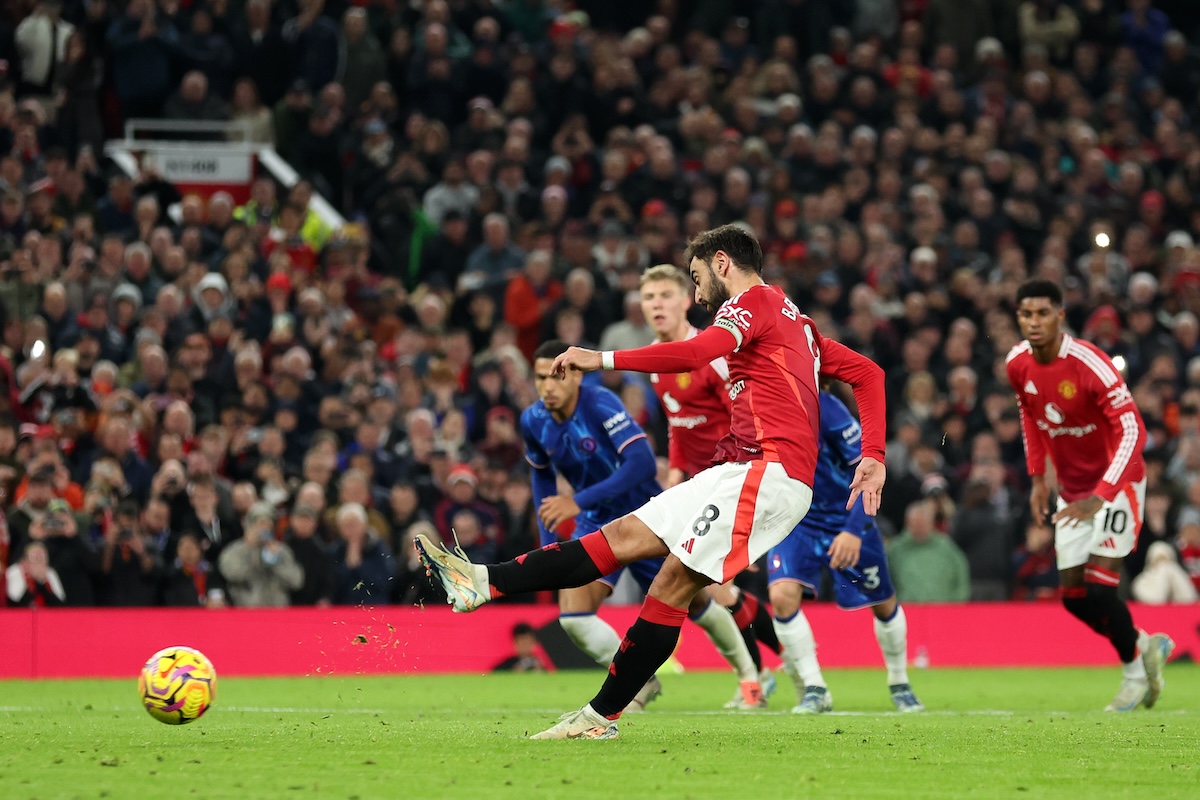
[[1076, 409], [697, 408], [698, 415], [712, 526]]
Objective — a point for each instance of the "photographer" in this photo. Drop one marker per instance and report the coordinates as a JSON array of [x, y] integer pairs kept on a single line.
[[32, 581], [259, 569], [129, 561], [71, 555]]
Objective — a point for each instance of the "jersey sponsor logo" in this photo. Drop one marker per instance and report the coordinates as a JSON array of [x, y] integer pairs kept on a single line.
[[687, 422], [1067, 390], [1030, 388], [1076, 432], [1120, 396], [736, 389], [671, 403], [1054, 414], [737, 315], [684, 380], [615, 420], [852, 434], [588, 444]]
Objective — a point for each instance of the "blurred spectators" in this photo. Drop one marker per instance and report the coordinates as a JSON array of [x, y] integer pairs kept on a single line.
[[260, 570], [506, 172], [927, 566], [1163, 581]]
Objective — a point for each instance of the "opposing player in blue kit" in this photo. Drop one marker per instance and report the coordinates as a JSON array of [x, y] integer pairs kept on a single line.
[[582, 432], [850, 545]]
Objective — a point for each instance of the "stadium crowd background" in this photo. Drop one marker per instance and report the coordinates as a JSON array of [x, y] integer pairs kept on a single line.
[[246, 407]]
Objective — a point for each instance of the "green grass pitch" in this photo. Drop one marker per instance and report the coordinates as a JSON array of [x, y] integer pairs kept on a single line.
[[987, 733]]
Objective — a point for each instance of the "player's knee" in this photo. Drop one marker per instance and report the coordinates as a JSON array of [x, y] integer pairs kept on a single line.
[[631, 540], [887, 609], [785, 600], [676, 585]]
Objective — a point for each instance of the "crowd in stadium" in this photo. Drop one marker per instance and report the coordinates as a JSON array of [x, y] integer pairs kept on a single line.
[[238, 405]]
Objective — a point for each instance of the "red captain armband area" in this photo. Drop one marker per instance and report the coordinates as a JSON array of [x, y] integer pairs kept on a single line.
[[671, 357]]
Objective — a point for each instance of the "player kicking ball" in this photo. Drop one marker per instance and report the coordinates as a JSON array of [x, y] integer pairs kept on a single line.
[[1076, 409], [849, 543], [583, 433], [711, 527], [696, 405], [697, 409]]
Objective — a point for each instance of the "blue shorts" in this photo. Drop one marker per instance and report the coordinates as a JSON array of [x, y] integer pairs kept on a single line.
[[643, 571], [800, 557]]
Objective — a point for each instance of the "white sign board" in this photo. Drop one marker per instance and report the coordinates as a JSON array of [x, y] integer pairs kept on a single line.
[[193, 167]]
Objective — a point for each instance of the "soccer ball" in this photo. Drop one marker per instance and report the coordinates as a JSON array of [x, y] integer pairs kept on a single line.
[[177, 685]]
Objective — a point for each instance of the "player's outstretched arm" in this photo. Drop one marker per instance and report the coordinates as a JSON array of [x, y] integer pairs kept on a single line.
[[577, 358], [674, 357], [866, 378]]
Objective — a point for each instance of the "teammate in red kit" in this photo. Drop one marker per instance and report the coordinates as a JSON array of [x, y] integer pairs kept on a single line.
[[710, 527], [1076, 409], [696, 403], [697, 408]]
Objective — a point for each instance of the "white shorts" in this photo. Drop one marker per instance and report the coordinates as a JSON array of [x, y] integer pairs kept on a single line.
[[725, 518], [1112, 533]]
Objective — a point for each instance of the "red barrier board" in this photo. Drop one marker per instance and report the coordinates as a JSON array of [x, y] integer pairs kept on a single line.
[[79, 643]]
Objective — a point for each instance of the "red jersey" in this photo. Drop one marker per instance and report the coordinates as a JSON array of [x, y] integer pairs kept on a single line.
[[1078, 410], [697, 408], [775, 357]]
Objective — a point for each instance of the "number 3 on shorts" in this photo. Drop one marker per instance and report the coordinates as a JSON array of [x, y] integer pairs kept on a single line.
[[871, 579], [704, 522]]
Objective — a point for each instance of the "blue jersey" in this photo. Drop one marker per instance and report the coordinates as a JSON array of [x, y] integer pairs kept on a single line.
[[589, 449], [803, 555], [838, 453]]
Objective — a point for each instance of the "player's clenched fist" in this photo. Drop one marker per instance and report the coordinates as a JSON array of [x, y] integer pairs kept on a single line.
[[576, 358]]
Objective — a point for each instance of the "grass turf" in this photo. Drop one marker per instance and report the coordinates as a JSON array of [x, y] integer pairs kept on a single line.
[[989, 733]]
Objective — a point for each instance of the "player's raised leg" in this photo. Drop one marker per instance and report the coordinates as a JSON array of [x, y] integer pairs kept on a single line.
[[559, 565]]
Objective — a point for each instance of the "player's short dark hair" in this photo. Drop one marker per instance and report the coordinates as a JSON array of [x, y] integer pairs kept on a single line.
[[522, 629], [1040, 287], [733, 240], [550, 349]]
